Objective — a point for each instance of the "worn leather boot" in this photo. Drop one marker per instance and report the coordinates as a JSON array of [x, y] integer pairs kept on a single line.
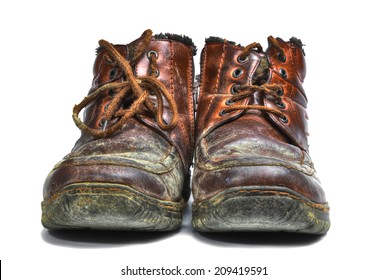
[[252, 170], [130, 168]]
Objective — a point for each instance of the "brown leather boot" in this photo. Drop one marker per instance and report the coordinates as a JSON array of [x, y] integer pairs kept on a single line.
[[130, 167], [252, 170]]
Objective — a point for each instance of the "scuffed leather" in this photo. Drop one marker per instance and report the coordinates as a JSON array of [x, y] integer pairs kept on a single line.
[[140, 155], [220, 60], [252, 148], [294, 96]]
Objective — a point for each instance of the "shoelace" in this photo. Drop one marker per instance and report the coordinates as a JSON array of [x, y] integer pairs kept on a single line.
[[272, 91], [140, 87]]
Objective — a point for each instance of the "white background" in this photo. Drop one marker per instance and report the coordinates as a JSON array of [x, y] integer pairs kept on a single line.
[[47, 49]]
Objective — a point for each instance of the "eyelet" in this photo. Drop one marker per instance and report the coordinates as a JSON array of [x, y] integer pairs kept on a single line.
[[222, 113], [281, 57], [284, 119], [102, 123], [229, 102], [283, 73], [234, 89], [242, 60], [157, 73], [237, 73], [150, 53], [280, 92], [280, 105], [113, 73]]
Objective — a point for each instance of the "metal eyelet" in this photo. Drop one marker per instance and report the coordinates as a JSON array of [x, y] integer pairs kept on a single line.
[[280, 105], [222, 113], [156, 74], [229, 102], [234, 89], [280, 91], [242, 60], [150, 53], [102, 123], [113, 73], [284, 119], [283, 73], [281, 57], [237, 73]]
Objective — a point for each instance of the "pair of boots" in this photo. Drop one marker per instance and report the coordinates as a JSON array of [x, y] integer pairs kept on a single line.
[[144, 122]]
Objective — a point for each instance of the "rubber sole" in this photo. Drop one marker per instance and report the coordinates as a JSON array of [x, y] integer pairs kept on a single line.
[[265, 209], [109, 207]]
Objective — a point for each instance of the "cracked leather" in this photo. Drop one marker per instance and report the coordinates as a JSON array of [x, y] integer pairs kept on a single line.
[[252, 147], [140, 155]]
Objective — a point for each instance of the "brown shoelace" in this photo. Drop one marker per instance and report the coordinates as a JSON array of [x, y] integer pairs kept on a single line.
[[272, 91], [140, 87]]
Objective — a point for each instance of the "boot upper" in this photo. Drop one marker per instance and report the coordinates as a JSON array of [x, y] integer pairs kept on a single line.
[[257, 138], [140, 154]]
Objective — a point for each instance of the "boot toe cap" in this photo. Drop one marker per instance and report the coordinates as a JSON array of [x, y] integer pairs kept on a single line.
[[150, 167], [255, 161]]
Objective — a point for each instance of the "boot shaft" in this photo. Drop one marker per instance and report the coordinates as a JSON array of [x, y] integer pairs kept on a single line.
[[287, 68], [226, 67], [253, 171], [168, 58]]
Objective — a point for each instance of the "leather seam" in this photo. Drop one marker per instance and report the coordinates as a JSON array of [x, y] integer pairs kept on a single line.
[[191, 103], [220, 66], [117, 187], [172, 91], [201, 166], [203, 69], [294, 54], [301, 124], [110, 163]]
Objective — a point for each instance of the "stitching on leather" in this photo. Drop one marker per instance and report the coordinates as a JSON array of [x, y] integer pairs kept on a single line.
[[204, 124], [171, 69], [180, 124], [204, 166], [191, 103], [172, 54], [220, 66], [107, 160], [298, 117], [205, 113], [294, 54], [136, 66], [291, 91], [202, 68], [117, 189]]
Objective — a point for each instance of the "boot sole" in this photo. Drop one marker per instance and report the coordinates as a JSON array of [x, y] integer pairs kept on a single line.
[[266, 209], [109, 207]]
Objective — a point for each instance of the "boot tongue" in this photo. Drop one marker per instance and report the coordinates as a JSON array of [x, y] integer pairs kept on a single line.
[[261, 75]]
